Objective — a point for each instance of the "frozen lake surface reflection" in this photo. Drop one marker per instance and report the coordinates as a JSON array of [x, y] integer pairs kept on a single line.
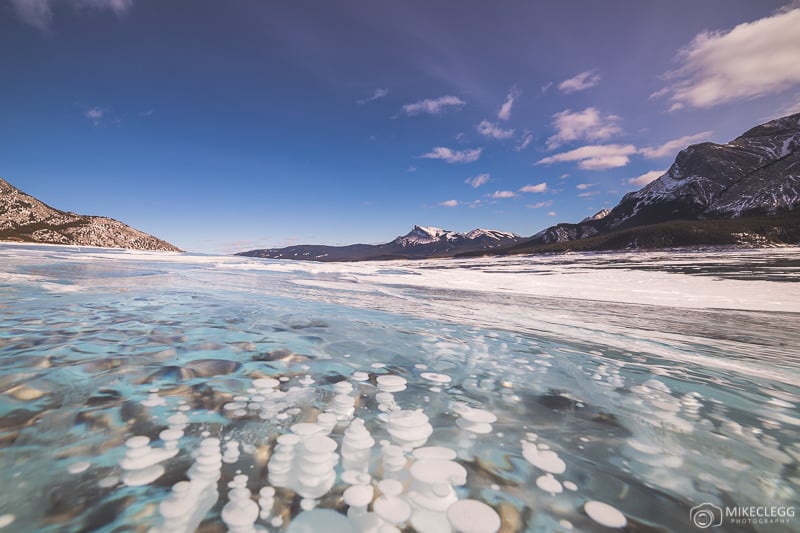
[[172, 392]]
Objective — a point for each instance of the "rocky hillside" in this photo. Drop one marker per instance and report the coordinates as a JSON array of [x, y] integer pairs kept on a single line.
[[420, 243], [754, 178], [23, 218]]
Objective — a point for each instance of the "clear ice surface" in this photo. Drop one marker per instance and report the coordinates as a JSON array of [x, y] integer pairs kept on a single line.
[[156, 392]]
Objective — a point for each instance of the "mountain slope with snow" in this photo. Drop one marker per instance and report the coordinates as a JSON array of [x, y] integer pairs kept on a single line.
[[756, 176]]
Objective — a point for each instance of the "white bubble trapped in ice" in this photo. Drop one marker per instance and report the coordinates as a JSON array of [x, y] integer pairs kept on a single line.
[[546, 460], [436, 378], [357, 446], [474, 420], [78, 467], [391, 383], [472, 516], [604, 514], [549, 484], [140, 463], [409, 429], [241, 512]]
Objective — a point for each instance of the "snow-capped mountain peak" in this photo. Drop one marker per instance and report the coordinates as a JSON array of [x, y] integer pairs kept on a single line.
[[426, 235], [597, 216], [420, 235], [490, 234]]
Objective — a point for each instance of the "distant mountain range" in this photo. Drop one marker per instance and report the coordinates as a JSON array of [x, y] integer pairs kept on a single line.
[[421, 242], [745, 192], [23, 218]]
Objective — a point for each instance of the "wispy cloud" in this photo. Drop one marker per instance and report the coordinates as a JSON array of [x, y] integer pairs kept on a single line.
[[489, 129], [412, 168], [586, 125], [791, 109], [594, 157], [551, 213], [751, 60], [95, 115], [581, 82], [453, 156], [100, 115], [539, 205], [646, 178], [478, 180], [449, 203], [588, 194], [377, 94], [502, 194], [39, 13], [540, 187], [669, 148], [525, 141], [584, 186], [505, 109], [433, 106]]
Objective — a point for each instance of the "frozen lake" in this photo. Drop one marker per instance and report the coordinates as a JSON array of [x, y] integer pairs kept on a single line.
[[581, 392]]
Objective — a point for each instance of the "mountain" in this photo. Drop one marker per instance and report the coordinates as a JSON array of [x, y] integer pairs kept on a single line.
[[420, 243], [23, 218], [744, 192]]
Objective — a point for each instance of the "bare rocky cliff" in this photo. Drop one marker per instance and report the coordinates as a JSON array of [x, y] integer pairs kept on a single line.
[[23, 218]]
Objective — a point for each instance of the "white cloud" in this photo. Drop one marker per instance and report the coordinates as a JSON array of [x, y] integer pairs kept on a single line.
[[505, 109], [587, 125], [588, 194], [539, 205], [477, 181], [669, 148], [594, 157], [449, 203], [39, 13], [376, 95], [582, 81], [502, 194], [489, 129], [453, 156], [751, 60], [546, 87], [584, 186], [646, 178], [541, 187], [412, 168], [563, 176], [527, 139], [551, 213], [95, 115], [433, 106]]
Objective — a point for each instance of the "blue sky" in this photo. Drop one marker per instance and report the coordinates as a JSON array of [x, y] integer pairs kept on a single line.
[[226, 126]]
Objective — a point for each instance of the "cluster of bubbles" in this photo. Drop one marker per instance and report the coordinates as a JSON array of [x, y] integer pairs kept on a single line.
[[417, 485]]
